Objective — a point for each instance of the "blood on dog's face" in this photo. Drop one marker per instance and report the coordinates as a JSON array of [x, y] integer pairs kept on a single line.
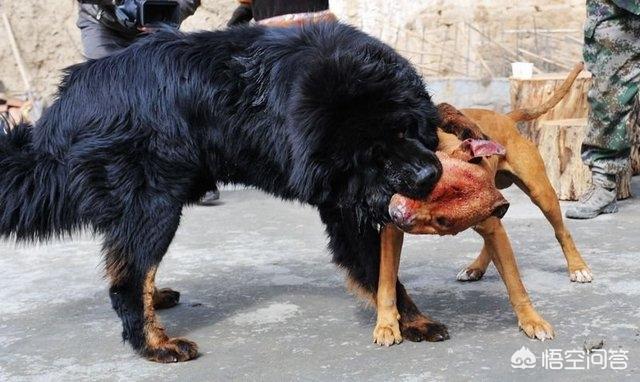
[[462, 198]]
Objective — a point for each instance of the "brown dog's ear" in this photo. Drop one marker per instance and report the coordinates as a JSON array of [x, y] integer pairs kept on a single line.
[[456, 123], [477, 149]]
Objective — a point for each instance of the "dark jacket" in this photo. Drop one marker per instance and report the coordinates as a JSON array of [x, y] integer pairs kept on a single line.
[[104, 14]]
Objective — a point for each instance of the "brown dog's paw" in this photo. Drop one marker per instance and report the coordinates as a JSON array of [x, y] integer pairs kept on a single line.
[[173, 350], [422, 329], [537, 328], [470, 274], [387, 330], [583, 275], [165, 298]]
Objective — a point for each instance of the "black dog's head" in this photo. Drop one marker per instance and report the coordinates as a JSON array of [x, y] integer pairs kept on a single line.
[[363, 126]]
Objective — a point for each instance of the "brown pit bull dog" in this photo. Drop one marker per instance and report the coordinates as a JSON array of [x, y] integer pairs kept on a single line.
[[521, 165], [464, 197]]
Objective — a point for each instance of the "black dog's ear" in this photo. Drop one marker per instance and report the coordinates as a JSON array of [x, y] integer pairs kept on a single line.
[[339, 108]]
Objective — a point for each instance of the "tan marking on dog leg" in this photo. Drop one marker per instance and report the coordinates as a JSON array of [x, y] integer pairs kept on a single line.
[[387, 330], [160, 347], [499, 248], [154, 331], [475, 270]]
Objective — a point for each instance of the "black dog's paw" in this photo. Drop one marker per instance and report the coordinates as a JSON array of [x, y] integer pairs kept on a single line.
[[423, 329], [172, 350], [165, 298]]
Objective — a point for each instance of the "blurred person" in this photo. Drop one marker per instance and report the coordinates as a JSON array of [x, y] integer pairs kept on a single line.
[[612, 55], [106, 27]]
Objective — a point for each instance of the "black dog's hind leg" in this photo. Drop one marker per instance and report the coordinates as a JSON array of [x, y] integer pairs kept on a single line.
[[134, 249], [356, 248], [414, 325]]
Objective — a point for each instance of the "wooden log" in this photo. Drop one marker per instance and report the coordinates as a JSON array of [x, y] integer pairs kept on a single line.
[[527, 93], [559, 144]]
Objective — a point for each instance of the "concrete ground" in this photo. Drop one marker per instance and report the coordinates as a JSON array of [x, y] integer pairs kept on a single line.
[[263, 301]]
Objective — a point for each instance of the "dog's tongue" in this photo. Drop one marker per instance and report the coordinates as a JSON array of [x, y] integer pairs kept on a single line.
[[479, 148]]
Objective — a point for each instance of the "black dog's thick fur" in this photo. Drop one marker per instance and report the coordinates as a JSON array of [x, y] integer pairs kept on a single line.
[[323, 114]]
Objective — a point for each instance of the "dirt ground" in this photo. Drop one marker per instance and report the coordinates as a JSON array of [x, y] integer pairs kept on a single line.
[[433, 33], [263, 301]]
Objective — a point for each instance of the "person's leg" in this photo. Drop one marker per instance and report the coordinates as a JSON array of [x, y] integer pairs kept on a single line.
[[243, 14], [612, 54]]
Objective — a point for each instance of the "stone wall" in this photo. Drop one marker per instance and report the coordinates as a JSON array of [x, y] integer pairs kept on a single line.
[[462, 38]]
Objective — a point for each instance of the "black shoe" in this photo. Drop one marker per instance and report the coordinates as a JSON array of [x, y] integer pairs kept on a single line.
[[210, 198]]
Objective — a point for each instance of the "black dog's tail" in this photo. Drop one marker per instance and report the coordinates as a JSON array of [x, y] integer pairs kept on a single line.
[[33, 198]]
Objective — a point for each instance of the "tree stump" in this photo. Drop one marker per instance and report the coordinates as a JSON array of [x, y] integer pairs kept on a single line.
[[559, 144], [532, 92]]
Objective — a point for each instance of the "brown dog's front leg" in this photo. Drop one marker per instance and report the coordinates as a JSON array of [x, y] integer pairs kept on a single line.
[[387, 330], [499, 247]]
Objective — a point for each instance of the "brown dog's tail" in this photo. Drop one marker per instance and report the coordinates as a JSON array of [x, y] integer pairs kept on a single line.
[[534, 112]]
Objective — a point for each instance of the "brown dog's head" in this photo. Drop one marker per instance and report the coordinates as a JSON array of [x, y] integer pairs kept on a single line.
[[464, 196]]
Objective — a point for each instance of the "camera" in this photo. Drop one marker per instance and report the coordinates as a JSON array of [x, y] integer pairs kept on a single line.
[[142, 13]]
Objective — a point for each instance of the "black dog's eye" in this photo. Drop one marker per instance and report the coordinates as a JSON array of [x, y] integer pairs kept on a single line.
[[401, 133]]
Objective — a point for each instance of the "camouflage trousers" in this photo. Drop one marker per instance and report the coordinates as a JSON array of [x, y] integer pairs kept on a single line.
[[612, 55]]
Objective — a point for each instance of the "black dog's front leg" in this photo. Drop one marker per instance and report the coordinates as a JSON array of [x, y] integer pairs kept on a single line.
[[355, 245]]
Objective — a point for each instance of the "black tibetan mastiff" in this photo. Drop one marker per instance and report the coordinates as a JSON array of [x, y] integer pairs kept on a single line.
[[322, 114]]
